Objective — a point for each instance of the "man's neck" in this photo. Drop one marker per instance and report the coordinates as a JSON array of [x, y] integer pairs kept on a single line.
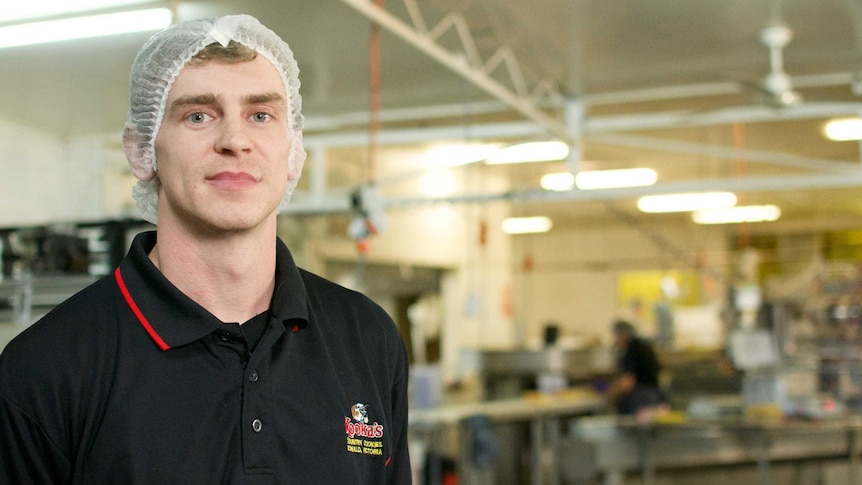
[[231, 275]]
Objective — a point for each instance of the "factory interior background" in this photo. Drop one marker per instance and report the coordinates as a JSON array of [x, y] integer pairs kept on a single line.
[[410, 107]]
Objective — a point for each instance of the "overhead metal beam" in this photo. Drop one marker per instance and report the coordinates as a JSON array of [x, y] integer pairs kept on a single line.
[[725, 116], [496, 131], [339, 202], [328, 126], [485, 131], [469, 64], [636, 121], [729, 153], [738, 185], [712, 89]]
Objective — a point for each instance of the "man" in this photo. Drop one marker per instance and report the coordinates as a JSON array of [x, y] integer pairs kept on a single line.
[[208, 356], [636, 386]]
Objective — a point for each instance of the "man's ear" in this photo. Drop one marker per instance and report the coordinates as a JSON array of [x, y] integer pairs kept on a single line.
[[133, 147]]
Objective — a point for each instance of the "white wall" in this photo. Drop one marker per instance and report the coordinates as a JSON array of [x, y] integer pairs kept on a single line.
[[48, 179], [33, 174], [575, 272]]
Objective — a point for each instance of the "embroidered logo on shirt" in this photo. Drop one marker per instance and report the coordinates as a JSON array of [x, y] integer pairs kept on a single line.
[[363, 437]]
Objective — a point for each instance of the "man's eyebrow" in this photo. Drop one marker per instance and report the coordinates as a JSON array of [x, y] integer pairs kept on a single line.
[[200, 99], [211, 99], [264, 98]]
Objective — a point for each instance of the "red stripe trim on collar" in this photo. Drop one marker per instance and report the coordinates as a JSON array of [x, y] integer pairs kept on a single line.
[[137, 311]]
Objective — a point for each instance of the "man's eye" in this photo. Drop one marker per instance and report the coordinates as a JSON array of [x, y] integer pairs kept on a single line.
[[261, 116], [197, 117]]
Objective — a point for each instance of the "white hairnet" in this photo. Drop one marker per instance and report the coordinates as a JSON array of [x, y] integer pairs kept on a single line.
[[159, 62]]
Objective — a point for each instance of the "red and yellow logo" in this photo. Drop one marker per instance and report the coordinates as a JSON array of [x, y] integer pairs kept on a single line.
[[363, 437]]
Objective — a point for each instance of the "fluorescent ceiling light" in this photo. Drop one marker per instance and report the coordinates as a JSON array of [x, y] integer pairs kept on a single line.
[[537, 151], [527, 225], [736, 215], [599, 179], [843, 129], [17, 11], [454, 155], [686, 202], [558, 182], [83, 27], [614, 179]]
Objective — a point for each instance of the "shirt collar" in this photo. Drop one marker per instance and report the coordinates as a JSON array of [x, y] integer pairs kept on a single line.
[[173, 319]]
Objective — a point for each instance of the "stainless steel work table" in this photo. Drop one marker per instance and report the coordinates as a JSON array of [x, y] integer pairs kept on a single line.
[[622, 444], [544, 413]]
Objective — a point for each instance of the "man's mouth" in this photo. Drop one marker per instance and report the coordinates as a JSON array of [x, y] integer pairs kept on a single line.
[[232, 180]]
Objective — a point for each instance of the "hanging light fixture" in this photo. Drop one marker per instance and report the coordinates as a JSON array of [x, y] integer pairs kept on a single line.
[[42, 9], [843, 129], [558, 181], [686, 202], [738, 214], [536, 151], [527, 225], [457, 154], [614, 179], [599, 179], [55, 30]]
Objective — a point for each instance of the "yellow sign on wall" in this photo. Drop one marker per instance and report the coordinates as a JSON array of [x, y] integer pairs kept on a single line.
[[640, 291]]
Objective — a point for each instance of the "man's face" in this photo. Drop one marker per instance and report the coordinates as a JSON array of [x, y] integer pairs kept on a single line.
[[223, 147]]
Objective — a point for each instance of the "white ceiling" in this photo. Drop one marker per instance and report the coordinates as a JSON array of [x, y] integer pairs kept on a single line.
[[665, 83]]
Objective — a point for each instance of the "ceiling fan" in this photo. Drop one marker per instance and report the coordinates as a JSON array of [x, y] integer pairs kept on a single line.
[[776, 87]]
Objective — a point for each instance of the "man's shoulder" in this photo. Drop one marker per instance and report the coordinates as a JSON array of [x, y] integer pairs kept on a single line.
[[90, 302], [318, 286], [336, 299]]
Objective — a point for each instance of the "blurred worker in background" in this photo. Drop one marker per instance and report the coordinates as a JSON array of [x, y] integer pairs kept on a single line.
[[635, 388], [209, 356]]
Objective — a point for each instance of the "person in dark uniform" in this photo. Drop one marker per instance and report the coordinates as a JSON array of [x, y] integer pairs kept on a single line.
[[636, 385], [208, 356]]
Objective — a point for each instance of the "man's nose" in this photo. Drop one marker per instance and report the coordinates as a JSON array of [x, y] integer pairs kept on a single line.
[[233, 136]]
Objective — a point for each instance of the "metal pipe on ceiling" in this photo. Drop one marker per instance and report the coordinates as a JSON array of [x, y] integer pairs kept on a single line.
[[338, 203], [726, 152]]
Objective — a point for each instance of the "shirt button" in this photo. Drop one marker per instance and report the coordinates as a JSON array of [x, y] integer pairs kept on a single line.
[[256, 425], [253, 377], [224, 336]]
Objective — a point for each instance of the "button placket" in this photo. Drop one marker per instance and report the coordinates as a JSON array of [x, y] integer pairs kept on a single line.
[[258, 441]]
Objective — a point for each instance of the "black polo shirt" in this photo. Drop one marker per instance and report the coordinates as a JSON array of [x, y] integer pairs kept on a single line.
[[130, 381]]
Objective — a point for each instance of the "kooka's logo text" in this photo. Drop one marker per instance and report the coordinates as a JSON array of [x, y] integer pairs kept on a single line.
[[362, 430]]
